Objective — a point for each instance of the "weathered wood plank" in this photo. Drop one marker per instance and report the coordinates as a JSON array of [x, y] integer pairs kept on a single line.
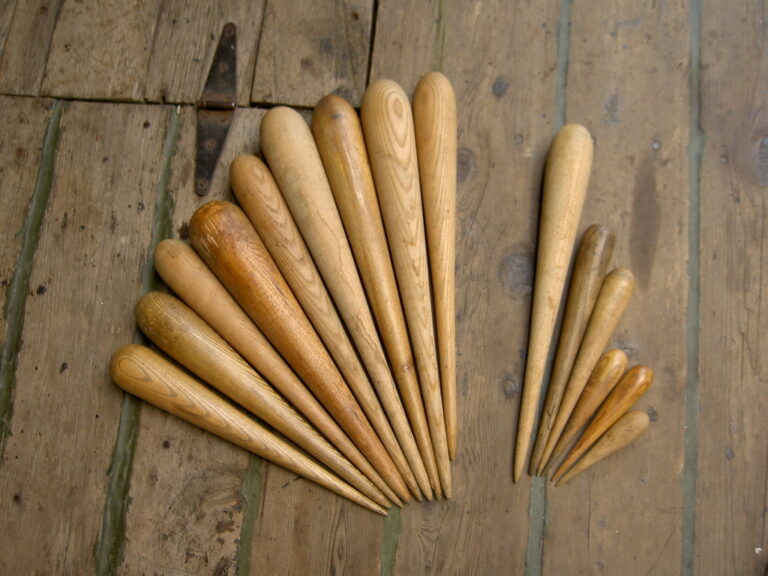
[[101, 49], [187, 507], [23, 123], [731, 534], [310, 49], [186, 39], [6, 18], [505, 125], [305, 529], [26, 46], [624, 516], [88, 270]]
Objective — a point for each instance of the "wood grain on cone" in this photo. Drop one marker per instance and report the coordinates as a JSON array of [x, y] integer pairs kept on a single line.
[[257, 192], [615, 293], [227, 242], [566, 176], [187, 275], [589, 270], [186, 338], [294, 160], [339, 138], [604, 377], [146, 374], [434, 118], [629, 427], [389, 136], [631, 387]]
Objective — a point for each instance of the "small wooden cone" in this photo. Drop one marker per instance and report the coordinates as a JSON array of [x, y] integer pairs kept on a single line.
[[589, 270], [629, 427], [631, 387], [565, 186], [612, 300], [605, 376], [146, 374]]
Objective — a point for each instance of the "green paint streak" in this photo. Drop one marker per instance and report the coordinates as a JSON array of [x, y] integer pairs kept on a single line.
[[537, 506], [109, 547], [253, 484], [16, 302], [537, 510], [440, 39], [393, 526], [693, 324]]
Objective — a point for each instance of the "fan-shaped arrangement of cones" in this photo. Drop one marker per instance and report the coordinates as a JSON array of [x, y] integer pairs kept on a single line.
[[322, 305], [582, 383]]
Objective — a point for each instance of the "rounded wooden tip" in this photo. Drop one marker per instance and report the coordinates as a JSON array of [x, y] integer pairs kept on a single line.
[[437, 82], [280, 118], [574, 132]]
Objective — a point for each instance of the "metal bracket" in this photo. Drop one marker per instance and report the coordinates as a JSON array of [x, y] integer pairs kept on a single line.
[[216, 108]]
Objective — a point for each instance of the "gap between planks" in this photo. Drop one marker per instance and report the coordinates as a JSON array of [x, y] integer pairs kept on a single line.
[[693, 324]]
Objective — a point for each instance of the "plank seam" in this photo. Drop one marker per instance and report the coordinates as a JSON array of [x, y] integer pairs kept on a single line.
[[393, 527], [251, 490], [538, 510], [109, 545], [693, 320], [440, 41], [372, 43], [16, 302]]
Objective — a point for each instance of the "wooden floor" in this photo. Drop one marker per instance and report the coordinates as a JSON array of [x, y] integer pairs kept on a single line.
[[97, 138]]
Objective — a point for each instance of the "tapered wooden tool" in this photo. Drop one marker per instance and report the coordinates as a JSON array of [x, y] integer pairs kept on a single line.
[[186, 338], [604, 377], [434, 119], [339, 139], [589, 270], [629, 389], [389, 136], [612, 300], [625, 431], [146, 374], [188, 276], [565, 185], [221, 233], [262, 202]]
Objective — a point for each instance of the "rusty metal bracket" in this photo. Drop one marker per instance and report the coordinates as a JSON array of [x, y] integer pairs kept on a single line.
[[216, 108]]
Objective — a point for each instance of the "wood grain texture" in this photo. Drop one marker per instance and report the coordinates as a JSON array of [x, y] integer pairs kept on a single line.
[[625, 431], [186, 274], [185, 41], [225, 239], [25, 46], [298, 170], [87, 274], [569, 163], [731, 485], [589, 269], [100, 50], [629, 389], [186, 338], [23, 123], [257, 192], [188, 502], [613, 298], [502, 147], [144, 373], [606, 374], [387, 123], [434, 119], [339, 139], [640, 189], [329, 51]]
